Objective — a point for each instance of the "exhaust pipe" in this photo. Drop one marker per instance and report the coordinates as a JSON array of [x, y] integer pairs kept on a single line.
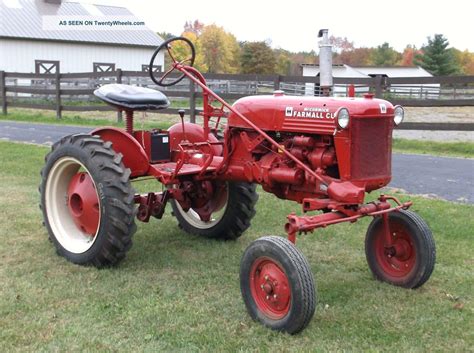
[[325, 63]]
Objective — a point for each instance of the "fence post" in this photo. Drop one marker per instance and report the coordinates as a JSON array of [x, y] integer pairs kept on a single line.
[[276, 82], [192, 102], [3, 92], [58, 94], [378, 86], [119, 80]]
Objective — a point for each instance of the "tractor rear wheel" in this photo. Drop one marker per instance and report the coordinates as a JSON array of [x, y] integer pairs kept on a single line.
[[277, 284], [410, 260], [233, 209], [87, 201]]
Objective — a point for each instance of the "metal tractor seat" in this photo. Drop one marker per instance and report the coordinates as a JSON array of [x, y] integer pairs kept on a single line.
[[126, 97]]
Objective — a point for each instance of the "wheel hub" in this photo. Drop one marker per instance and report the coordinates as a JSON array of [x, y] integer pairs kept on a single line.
[[398, 259], [270, 288], [83, 203]]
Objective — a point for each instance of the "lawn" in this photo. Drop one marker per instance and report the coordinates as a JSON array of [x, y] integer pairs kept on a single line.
[[176, 292]]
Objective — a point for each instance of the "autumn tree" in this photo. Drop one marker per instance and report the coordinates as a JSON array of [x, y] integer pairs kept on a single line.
[[436, 58], [465, 61], [195, 27], [385, 55], [181, 51], [355, 57], [220, 50], [283, 61], [408, 55], [258, 58], [340, 44]]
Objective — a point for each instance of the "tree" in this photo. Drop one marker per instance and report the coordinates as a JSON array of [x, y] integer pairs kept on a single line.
[[340, 44], [182, 51], [385, 55], [283, 61], [465, 61], [436, 57], [408, 55], [355, 57], [258, 58], [220, 50], [195, 27], [166, 35]]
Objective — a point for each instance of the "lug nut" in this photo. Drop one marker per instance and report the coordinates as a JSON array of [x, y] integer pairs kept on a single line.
[[274, 296], [268, 297], [266, 277]]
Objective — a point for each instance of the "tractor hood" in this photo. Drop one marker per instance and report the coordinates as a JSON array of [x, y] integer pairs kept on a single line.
[[304, 114]]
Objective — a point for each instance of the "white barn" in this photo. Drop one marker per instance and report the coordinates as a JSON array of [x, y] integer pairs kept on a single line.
[[404, 90], [25, 46]]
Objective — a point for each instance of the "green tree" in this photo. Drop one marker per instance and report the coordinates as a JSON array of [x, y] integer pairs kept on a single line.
[[385, 55], [258, 58], [283, 61], [220, 50], [436, 57]]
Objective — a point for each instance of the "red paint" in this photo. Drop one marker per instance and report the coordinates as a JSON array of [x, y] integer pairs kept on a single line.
[[270, 288], [397, 257], [292, 146], [83, 203], [134, 155]]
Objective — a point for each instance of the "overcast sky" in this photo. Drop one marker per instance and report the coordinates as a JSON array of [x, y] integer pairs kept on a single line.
[[294, 24]]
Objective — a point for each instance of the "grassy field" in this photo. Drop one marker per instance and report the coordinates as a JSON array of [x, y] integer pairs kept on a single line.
[[176, 292], [163, 121]]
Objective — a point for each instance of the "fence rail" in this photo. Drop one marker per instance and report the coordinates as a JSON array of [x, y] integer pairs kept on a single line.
[[74, 91]]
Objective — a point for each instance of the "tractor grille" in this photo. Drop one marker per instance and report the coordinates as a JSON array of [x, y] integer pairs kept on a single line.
[[371, 147]]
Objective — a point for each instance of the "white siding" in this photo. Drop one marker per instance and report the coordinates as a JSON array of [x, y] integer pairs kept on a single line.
[[20, 55]]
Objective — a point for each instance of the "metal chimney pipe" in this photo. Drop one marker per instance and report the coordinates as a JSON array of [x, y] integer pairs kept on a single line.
[[325, 63]]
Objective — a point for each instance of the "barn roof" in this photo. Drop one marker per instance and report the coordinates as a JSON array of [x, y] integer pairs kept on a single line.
[[22, 19]]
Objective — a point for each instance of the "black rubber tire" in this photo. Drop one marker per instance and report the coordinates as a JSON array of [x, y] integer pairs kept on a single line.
[[298, 272], [240, 210], [114, 237], [423, 245]]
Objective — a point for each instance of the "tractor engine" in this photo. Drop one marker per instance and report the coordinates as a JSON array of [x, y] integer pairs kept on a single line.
[[345, 139]]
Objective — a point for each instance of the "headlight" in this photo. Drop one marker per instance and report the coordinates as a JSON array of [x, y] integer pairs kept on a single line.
[[399, 114], [343, 118]]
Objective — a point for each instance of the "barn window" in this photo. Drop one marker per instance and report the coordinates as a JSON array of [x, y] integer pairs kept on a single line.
[[46, 66], [103, 67], [156, 68]]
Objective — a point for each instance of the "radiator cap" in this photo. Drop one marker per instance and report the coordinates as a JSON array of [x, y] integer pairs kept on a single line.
[[278, 93]]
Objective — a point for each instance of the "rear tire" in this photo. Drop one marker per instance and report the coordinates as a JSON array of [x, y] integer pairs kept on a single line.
[[410, 262], [103, 242], [277, 284], [234, 219]]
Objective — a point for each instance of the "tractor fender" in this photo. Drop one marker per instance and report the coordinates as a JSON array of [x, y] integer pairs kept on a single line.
[[193, 133], [134, 156]]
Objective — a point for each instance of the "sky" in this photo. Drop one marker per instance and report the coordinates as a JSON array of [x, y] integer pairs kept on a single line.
[[294, 24]]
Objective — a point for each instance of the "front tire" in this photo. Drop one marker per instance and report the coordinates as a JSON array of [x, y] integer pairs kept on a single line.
[[409, 263], [87, 201], [230, 221], [277, 285]]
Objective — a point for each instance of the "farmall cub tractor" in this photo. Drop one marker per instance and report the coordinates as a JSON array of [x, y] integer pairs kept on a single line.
[[321, 152]]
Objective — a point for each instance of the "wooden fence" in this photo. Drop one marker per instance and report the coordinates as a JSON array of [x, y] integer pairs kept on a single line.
[[28, 90]]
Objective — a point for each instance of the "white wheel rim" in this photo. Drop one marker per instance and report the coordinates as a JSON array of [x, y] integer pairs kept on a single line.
[[192, 217], [60, 220]]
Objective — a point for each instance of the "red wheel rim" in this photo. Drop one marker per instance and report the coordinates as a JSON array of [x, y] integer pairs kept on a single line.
[[398, 260], [83, 203], [270, 288]]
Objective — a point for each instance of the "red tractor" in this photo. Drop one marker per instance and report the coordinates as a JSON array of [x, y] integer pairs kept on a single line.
[[324, 153]]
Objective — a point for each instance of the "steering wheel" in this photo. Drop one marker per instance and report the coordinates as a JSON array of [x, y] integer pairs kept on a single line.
[[166, 44]]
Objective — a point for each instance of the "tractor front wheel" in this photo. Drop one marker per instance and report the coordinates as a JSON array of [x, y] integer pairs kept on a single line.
[[277, 285], [410, 258], [87, 201]]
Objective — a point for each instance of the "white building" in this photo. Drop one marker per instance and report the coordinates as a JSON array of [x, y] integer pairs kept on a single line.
[[25, 46], [402, 90]]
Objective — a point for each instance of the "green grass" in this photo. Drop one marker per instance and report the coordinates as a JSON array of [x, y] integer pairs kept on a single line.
[[455, 149], [176, 292]]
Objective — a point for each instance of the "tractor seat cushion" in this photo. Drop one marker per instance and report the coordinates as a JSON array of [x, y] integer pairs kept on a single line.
[[126, 97]]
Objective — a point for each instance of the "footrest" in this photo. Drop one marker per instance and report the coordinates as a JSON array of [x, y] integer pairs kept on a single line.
[[168, 169]]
